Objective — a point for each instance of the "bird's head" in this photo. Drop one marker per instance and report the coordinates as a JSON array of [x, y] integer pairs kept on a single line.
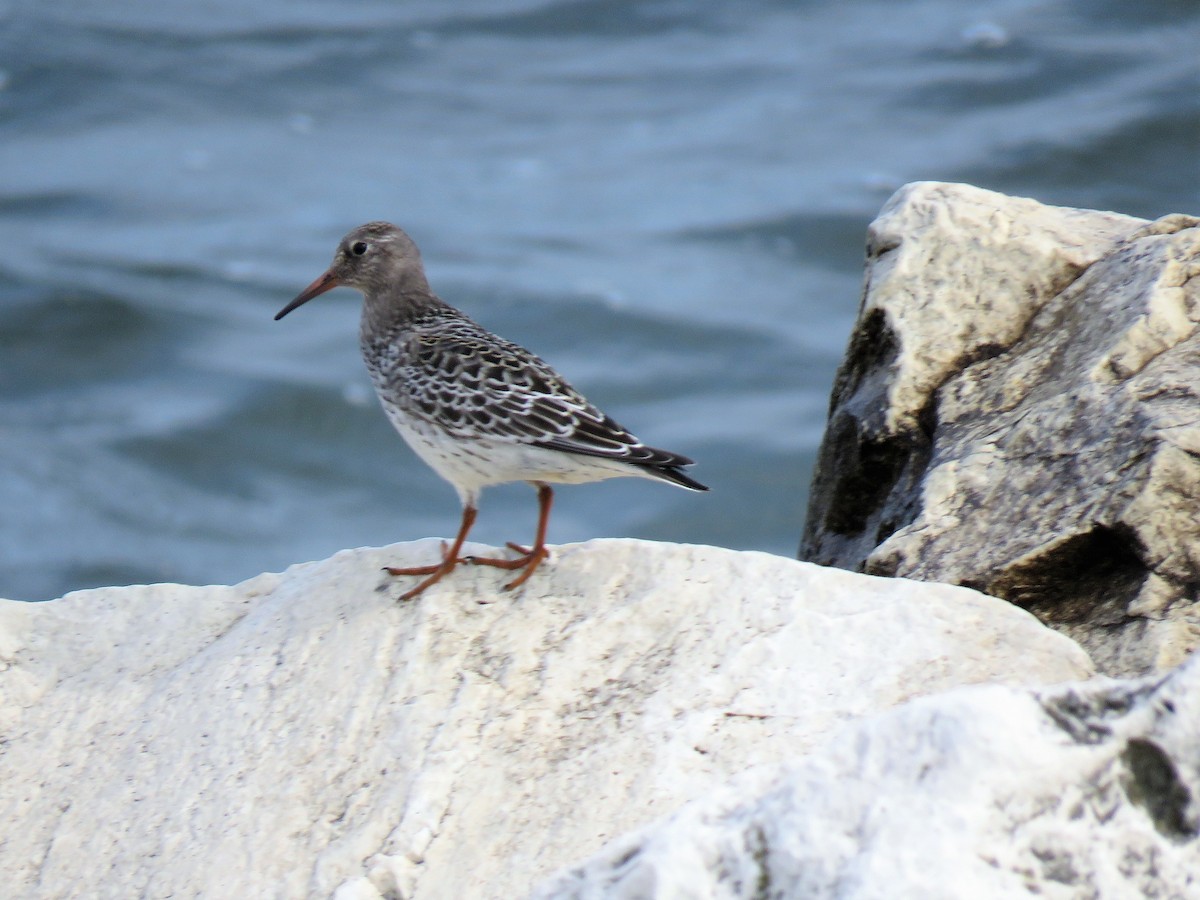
[[377, 259]]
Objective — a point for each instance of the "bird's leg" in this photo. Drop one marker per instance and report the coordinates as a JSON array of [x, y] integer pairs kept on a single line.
[[530, 559], [450, 558]]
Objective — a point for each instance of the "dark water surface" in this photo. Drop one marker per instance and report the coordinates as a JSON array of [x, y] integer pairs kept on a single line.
[[667, 200]]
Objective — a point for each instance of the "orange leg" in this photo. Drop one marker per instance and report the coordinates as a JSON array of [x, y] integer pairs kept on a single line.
[[449, 558], [529, 559]]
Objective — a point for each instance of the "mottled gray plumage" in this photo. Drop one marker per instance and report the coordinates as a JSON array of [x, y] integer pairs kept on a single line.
[[478, 409]]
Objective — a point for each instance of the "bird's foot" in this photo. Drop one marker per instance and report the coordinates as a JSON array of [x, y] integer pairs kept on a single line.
[[529, 560], [446, 564], [436, 572]]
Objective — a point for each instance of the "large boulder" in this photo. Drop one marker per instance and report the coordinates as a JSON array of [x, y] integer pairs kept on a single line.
[[1087, 791], [1019, 412], [306, 735]]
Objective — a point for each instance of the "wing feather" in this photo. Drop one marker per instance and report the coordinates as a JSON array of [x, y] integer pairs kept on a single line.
[[473, 384]]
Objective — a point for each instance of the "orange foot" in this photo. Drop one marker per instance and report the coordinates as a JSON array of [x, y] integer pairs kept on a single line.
[[529, 560], [436, 572]]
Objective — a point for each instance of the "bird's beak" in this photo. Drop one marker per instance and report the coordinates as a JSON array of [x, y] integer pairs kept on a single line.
[[326, 282]]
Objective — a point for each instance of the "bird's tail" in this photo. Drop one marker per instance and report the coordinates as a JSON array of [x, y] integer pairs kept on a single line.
[[675, 475]]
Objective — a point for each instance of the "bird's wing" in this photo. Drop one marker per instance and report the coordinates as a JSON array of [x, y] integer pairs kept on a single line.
[[475, 385]]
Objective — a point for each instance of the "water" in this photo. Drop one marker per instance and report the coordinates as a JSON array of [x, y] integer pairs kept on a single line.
[[667, 200]]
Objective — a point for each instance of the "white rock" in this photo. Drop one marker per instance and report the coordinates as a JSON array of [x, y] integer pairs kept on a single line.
[[1017, 413], [304, 734], [988, 792], [956, 270]]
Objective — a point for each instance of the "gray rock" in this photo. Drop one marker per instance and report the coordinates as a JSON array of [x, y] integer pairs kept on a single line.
[[305, 735], [1019, 412], [1088, 791]]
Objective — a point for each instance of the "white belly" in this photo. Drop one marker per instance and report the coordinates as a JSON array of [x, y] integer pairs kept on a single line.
[[473, 464]]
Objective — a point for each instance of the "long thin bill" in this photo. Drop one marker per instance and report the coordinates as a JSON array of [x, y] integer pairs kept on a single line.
[[326, 282]]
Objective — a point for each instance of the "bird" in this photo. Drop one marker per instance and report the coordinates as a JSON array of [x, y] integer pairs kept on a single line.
[[478, 409]]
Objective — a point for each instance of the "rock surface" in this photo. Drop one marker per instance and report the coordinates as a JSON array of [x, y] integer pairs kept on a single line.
[[304, 734], [1019, 412], [1088, 791]]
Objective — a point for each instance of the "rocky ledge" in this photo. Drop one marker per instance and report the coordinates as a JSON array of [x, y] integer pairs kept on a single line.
[[305, 734]]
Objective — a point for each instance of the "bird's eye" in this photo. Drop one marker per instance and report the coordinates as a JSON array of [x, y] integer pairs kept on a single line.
[[358, 248]]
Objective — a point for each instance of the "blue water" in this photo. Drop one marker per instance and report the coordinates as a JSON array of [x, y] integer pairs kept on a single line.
[[666, 200]]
